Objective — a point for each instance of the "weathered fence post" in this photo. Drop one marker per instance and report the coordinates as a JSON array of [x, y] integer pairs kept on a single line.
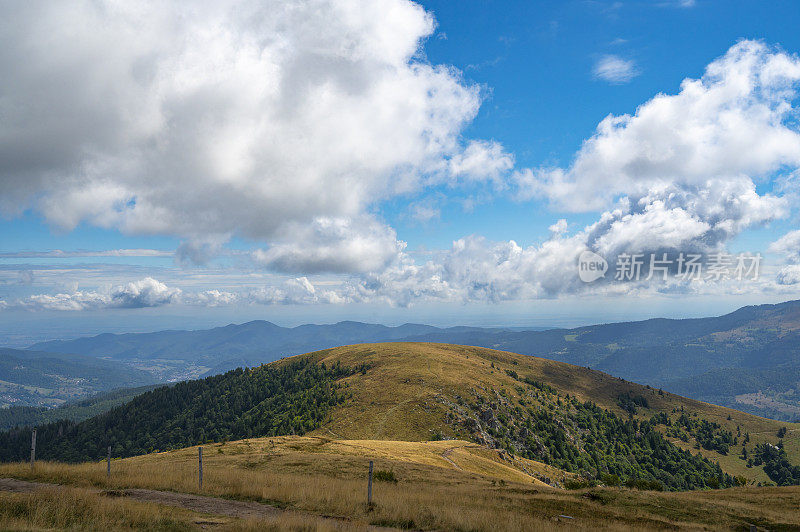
[[369, 485], [108, 463], [200, 460], [33, 447]]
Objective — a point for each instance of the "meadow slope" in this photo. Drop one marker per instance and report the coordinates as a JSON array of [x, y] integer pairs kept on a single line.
[[443, 485]]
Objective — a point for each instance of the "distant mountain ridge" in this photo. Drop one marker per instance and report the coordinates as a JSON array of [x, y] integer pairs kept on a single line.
[[191, 354], [748, 359]]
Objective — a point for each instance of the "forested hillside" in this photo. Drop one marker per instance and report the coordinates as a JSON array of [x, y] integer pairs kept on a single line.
[[268, 400], [541, 424]]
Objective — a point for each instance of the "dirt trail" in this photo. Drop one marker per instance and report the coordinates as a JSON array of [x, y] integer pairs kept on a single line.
[[196, 503], [446, 455]]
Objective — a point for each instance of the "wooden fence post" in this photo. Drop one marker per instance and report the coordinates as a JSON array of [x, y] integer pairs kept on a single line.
[[200, 460], [108, 463], [369, 485], [33, 447]]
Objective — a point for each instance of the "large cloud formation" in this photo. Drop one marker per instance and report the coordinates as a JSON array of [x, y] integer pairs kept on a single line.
[[682, 172], [221, 118], [338, 245], [289, 122], [789, 246]]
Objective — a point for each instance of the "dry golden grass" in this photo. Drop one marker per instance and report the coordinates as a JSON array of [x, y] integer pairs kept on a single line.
[[67, 508], [76, 508], [314, 477]]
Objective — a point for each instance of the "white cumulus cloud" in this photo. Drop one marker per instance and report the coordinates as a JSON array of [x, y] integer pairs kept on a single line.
[[297, 291], [733, 123], [147, 292], [789, 275]]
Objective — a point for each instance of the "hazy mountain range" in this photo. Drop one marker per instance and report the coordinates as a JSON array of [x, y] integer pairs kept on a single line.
[[177, 355], [748, 359]]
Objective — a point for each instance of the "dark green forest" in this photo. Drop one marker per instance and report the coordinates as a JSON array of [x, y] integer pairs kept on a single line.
[[595, 443], [776, 464], [291, 398]]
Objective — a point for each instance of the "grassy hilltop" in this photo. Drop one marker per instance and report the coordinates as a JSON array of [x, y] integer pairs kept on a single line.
[[416, 391]]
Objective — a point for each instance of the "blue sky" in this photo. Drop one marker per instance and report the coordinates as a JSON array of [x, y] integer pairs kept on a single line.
[[246, 172]]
